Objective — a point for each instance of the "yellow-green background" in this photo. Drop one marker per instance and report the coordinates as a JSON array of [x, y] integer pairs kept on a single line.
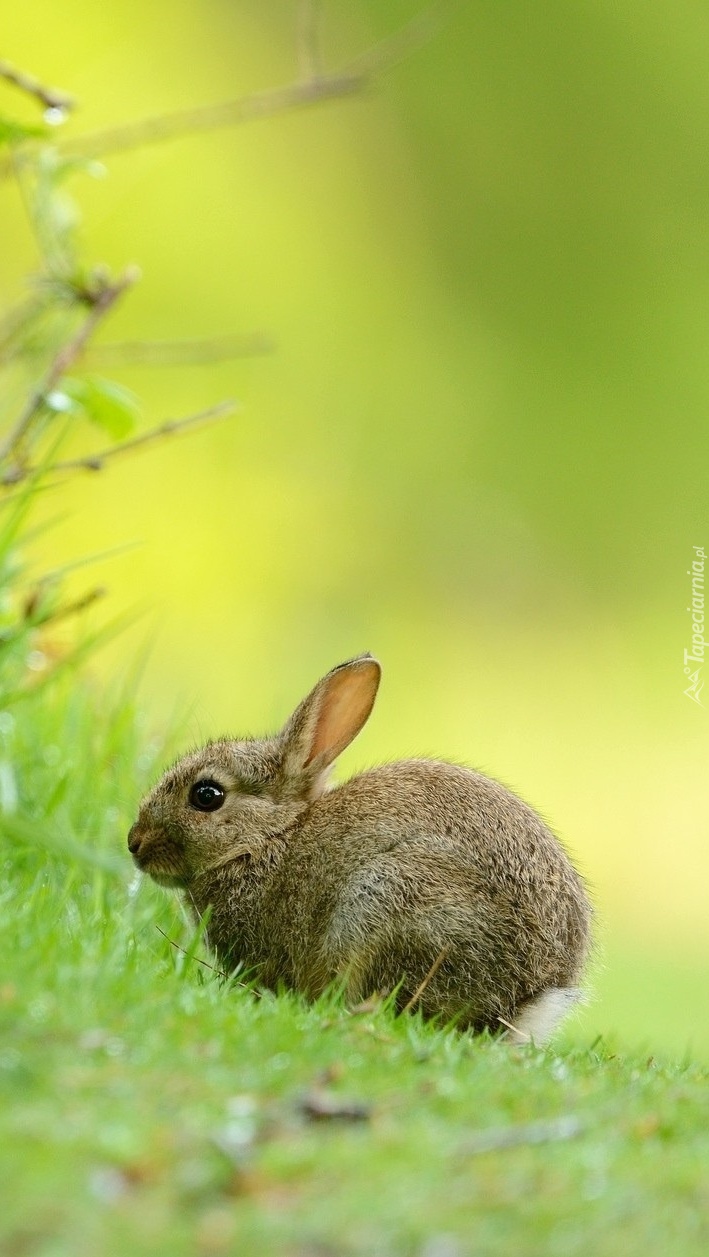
[[480, 447]]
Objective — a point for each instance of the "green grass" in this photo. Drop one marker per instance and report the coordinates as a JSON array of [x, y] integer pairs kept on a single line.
[[146, 1107]]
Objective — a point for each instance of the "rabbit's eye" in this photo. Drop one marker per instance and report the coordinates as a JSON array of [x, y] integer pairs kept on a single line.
[[207, 795]]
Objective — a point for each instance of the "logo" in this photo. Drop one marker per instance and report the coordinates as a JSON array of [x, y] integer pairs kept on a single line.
[[694, 658]]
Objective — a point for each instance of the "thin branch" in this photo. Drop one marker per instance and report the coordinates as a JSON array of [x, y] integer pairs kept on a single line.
[[422, 985], [96, 462], [211, 117], [101, 303], [220, 972], [161, 353], [394, 48], [317, 87], [51, 99], [307, 40]]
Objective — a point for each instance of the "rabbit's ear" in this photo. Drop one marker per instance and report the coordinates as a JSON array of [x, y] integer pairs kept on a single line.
[[331, 716]]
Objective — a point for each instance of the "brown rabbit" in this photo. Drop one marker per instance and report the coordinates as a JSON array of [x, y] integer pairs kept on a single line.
[[420, 877]]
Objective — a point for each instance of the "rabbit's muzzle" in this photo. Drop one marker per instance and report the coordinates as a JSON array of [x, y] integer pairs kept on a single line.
[[157, 854], [135, 840]]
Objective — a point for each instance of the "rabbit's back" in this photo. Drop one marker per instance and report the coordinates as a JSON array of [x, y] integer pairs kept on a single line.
[[421, 862]]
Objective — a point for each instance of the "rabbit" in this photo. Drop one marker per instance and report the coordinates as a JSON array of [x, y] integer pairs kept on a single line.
[[422, 879]]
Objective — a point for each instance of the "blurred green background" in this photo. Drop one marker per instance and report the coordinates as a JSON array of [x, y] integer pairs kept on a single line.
[[479, 448]]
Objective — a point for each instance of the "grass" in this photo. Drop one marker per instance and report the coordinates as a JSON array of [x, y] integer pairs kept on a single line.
[[149, 1108]]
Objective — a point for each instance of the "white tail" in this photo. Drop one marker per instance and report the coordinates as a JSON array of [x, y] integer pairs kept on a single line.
[[537, 1020]]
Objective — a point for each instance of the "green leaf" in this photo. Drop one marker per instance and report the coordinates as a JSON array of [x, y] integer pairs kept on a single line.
[[12, 132], [110, 406]]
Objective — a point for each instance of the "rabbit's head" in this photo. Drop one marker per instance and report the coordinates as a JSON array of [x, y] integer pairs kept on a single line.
[[230, 797]]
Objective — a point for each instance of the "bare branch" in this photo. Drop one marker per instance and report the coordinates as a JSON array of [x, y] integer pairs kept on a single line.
[[307, 40], [56, 103], [97, 462], [211, 117], [101, 302], [314, 88], [161, 353], [397, 46]]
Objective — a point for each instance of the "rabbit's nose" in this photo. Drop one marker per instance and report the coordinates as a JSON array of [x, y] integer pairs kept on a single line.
[[134, 839]]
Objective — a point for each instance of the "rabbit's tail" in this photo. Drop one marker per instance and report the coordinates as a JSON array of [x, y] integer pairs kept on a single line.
[[536, 1021]]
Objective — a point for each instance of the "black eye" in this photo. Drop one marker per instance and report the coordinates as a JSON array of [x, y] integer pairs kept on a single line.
[[207, 795]]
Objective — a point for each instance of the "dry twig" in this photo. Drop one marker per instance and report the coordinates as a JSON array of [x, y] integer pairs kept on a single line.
[[523, 1037], [183, 122], [47, 96], [96, 462], [313, 89], [422, 985], [395, 47], [220, 972], [162, 353], [307, 40]]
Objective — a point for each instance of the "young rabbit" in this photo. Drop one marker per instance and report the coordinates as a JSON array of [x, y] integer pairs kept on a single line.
[[420, 877]]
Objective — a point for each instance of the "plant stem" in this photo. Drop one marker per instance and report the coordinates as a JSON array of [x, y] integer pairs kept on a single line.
[[101, 303]]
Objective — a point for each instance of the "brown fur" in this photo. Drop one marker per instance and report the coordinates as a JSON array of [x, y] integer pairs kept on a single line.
[[372, 881]]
